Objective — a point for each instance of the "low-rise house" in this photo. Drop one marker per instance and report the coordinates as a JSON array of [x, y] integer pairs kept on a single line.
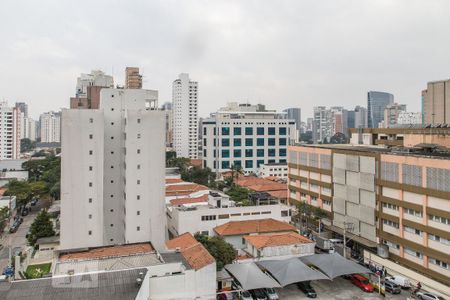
[[12, 169], [233, 232], [278, 245], [202, 214], [279, 170]]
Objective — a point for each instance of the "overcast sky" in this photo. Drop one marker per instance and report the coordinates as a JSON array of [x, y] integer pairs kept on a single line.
[[280, 53]]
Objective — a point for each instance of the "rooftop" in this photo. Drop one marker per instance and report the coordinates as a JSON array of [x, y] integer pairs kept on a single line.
[[260, 184], [253, 226], [184, 189], [107, 252], [181, 201], [276, 239], [192, 250]]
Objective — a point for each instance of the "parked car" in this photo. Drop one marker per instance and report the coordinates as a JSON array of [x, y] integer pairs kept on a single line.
[[225, 296], [245, 295], [392, 287], [307, 289], [13, 228], [24, 212], [428, 296], [362, 282], [258, 294], [403, 282], [34, 201], [271, 294]]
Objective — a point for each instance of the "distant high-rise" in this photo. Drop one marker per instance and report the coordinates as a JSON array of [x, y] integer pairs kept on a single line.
[[168, 114], [112, 172], [11, 119], [133, 80], [436, 102], [50, 127], [23, 108], [360, 117], [376, 103], [185, 118], [295, 114], [87, 95], [391, 114]]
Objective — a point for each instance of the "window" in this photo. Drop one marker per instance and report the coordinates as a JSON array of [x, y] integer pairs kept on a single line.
[[282, 130], [138, 167], [282, 152], [138, 228], [90, 232], [248, 130], [413, 252], [260, 152], [249, 142], [248, 152], [391, 245], [326, 202], [138, 197], [225, 142], [225, 130], [259, 162], [271, 130], [112, 137], [237, 142], [412, 230], [138, 151], [260, 131], [91, 136], [112, 196], [237, 153], [91, 120], [282, 141], [439, 239], [284, 213], [90, 200], [390, 206], [90, 216], [271, 152], [439, 219], [439, 263], [139, 121], [271, 142], [90, 152], [208, 218], [390, 223], [413, 212], [225, 164], [138, 181], [225, 153], [249, 163], [204, 130], [224, 216], [237, 131], [111, 225], [90, 184], [138, 135], [90, 168], [260, 142], [138, 213], [237, 163]]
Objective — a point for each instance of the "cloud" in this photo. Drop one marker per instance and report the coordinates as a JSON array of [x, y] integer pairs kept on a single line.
[[281, 53]]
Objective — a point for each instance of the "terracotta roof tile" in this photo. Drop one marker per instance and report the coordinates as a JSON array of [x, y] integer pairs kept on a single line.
[[181, 201], [193, 251], [108, 251], [273, 186], [276, 239], [173, 180], [184, 189], [253, 226], [279, 194]]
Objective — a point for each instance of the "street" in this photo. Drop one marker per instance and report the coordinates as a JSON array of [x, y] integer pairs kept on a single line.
[[17, 240]]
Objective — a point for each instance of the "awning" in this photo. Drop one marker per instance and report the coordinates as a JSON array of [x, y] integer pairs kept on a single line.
[[250, 276], [290, 271], [333, 265]]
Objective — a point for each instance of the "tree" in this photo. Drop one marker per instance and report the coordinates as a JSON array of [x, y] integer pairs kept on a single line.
[[4, 214], [41, 227], [20, 189], [181, 163], [198, 175], [223, 252], [338, 138], [27, 145], [238, 193], [47, 170], [236, 171]]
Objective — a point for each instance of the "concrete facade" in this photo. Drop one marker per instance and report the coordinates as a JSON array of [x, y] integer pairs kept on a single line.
[[185, 117], [436, 102], [113, 172], [50, 127], [11, 131], [376, 103]]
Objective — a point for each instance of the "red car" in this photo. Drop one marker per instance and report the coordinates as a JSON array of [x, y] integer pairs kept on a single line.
[[362, 282]]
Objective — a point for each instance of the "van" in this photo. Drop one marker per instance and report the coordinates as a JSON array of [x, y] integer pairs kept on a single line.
[[399, 280]]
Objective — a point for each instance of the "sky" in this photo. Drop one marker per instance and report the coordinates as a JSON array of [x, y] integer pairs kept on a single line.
[[279, 53]]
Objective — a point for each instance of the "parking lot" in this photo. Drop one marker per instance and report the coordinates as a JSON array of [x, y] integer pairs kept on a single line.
[[339, 289]]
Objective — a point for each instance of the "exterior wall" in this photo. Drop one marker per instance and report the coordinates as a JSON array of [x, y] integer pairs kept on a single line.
[[376, 103], [250, 161], [436, 102], [181, 221], [185, 117], [281, 252], [275, 170], [79, 199], [50, 127], [126, 138], [11, 120], [309, 177]]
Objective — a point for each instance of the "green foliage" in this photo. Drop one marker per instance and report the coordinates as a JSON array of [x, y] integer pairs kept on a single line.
[[306, 137], [238, 193], [311, 211], [223, 252], [47, 170], [27, 145], [41, 227], [25, 191], [199, 175], [37, 271], [338, 138], [177, 162]]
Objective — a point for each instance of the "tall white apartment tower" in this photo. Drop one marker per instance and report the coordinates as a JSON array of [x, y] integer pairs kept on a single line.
[[10, 131], [50, 127], [185, 117], [112, 172]]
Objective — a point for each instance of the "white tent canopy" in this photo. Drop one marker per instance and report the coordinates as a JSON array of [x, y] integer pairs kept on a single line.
[[250, 276], [333, 265], [290, 271]]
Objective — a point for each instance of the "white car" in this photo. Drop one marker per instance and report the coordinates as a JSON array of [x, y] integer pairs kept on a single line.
[[245, 295], [271, 294], [428, 296], [403, 282]]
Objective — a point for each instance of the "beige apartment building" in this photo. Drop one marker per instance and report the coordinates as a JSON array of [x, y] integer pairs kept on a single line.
[[398, 197], [133, 80], [436, 102]]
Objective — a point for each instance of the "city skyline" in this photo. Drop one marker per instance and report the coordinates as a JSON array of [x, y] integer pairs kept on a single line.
[[272, 67]]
